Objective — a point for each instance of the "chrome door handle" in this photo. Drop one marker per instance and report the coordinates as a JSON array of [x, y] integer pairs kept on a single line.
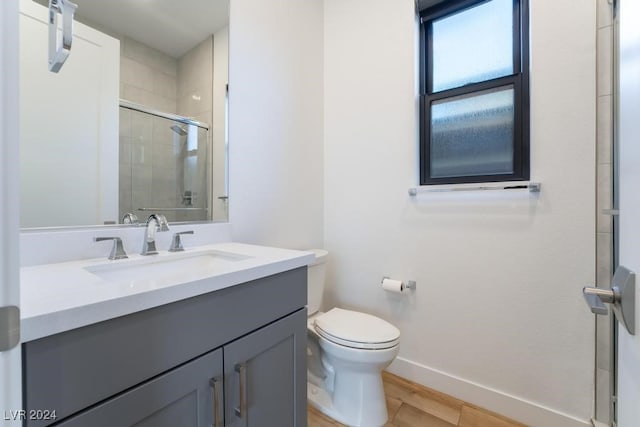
[[216, 383], [241, 410], [59, 49], [621, 296], [594, 302]]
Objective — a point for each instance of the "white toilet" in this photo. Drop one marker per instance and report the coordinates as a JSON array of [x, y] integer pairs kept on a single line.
[[346, 353]]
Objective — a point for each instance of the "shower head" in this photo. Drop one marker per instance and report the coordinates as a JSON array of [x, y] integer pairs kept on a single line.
[[179, 130]]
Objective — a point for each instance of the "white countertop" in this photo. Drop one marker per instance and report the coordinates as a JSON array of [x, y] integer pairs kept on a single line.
[[64, 296]]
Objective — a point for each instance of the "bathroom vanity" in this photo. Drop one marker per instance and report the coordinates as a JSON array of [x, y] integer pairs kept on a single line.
[[231, 353]]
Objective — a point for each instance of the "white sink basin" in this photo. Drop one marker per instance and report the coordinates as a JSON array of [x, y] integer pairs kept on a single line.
[[160, 270]]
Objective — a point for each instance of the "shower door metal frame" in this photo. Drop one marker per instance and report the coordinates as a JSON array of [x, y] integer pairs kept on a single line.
[[613, 363], [144, 109]]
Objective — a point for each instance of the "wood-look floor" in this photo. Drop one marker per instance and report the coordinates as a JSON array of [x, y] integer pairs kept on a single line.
[[412, 405]]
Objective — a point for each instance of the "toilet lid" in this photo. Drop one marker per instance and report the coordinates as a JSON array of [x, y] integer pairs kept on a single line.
[[355, 329]]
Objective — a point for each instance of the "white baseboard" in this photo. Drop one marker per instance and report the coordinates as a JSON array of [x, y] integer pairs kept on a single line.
[[510, 406], [597, 423]]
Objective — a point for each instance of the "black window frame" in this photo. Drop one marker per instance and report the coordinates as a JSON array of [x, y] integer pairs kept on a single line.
[[519, 80]]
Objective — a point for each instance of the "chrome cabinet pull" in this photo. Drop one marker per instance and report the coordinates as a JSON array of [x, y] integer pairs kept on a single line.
[[241, 369], [216, 383], [59, 49]]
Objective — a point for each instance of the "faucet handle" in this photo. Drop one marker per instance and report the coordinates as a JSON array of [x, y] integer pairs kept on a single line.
[[176, 242], [129, 218], [117, 251]]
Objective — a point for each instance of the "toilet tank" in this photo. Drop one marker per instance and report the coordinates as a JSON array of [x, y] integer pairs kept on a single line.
[[315, 281]]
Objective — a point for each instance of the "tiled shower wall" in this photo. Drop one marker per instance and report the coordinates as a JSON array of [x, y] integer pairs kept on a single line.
[[604, 231], [180, 86], [195, 91], [148, 76], [195, 81]]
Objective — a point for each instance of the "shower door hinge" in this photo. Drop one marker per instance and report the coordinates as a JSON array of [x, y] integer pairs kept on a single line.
[[9, 327]]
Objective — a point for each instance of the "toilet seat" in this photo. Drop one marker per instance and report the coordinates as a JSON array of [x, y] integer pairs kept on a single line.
[[358, 330]]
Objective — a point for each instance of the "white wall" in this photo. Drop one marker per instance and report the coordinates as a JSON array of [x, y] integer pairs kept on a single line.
[[498, 317], [275, 92], [628, 103]]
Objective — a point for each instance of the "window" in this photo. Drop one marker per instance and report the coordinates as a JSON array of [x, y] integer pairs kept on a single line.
[[474, 118]]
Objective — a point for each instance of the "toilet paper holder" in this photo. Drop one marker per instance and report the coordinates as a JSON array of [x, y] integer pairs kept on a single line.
[[411, 284]]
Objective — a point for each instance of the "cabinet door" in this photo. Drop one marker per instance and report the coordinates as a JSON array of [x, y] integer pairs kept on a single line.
[[187, 396], [265, 376]]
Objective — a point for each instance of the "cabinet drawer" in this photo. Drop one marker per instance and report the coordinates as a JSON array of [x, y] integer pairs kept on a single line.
[[73, 370]]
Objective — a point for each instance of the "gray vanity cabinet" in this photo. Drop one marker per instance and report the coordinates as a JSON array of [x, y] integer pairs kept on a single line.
[[262, 378], [155, 367]]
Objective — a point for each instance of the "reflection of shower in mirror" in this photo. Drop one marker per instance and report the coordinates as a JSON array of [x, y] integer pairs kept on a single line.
[[165, 164]]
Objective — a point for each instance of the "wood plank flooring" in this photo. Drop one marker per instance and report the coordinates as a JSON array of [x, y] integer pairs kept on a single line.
[[413, 405]]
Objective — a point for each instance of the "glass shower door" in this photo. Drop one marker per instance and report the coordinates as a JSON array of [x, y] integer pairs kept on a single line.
[[163, 167]]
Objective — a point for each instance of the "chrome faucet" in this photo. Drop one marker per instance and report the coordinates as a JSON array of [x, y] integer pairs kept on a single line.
[[154, 222]]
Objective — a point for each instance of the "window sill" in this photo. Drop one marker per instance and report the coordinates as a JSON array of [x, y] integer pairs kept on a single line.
[[532, 187]]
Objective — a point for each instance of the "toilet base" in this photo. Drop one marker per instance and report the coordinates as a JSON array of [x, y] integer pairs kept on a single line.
[[320, 399]]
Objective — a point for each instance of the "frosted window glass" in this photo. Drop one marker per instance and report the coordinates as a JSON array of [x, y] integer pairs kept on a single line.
[[473, 134], [473, 45]]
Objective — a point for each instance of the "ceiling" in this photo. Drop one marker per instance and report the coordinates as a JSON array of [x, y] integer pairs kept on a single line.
[[173, 27]]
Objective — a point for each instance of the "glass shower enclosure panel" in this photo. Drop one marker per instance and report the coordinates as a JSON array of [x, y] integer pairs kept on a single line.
[[164, 167]]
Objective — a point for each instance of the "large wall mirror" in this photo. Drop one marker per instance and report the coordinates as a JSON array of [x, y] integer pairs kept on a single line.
[[135, 122]]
